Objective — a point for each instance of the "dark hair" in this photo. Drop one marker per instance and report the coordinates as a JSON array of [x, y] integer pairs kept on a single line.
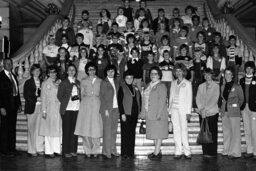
[[34, 67], [119, 9], [151, 53], [143, 1], [108, 68], [50, 68], [182, 67], [128, 73], [107, 13], [160, 10], [135, 49], [232, 37], [166, 51], [184, 28], [176, 19], [190, 7], [165, 37], [249, 64], [217, 34], [85, 12], [60, 48], [97, 26], [114, 24], [208, 71], [176, 9], [130, 36], [88, 65], [200, 32], [72, 65], [160, 74], [232, 70], [195, 17], [86, 51], [101, 46], [142, 21], [66, 18], [205, 19], [80, 35], [184, 46]]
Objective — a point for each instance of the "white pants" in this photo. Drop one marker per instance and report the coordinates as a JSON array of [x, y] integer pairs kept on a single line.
[[91, 145], [35, 142], [249, 119], [52, 145], [180, 132], [231, 136]]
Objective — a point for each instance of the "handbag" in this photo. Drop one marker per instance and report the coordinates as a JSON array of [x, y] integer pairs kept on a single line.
[[204, 136], [170, 127], [142, 127]]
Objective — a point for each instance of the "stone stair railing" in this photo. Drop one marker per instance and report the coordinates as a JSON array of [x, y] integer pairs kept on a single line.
[[228, 25], [31, 52]]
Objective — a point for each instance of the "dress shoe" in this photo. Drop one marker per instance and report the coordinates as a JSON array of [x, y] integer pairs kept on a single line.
[[49, 155], [155, 157], [125, 156], [73, 154], [114, 155], [57, 154], [233, 157], [67, 155], [106, 156], [177, 157], [40, 153], [188, 157], [248, 155], [32, 154], [95, 155]]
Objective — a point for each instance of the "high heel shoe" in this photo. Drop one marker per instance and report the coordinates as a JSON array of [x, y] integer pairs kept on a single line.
[[152, 156]]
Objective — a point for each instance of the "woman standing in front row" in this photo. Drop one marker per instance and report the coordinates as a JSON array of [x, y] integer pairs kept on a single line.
[[129, 103], [33, 110], [207, 103], [154, 110], [69, 97], [232, 99], [109, 111], [89, 122], [50, 124], [180, 105]]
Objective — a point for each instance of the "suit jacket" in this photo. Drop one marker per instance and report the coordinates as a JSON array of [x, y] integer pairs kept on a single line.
[[107, 95], [7, 100], [29, 93], [252, 94], [185, 96], [234, 102], [64, 93], [157, 107]]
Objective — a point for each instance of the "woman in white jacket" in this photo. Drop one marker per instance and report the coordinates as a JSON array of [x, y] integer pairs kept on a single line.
[[180, 105]]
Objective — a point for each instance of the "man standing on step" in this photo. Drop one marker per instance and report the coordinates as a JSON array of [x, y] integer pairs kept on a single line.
[[10, 104]]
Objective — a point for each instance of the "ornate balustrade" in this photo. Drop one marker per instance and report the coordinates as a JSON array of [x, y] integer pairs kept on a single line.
[[31, 52], [228, 25]]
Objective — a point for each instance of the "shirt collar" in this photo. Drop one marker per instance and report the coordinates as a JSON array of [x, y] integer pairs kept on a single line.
[[72, 80], [7, 72]]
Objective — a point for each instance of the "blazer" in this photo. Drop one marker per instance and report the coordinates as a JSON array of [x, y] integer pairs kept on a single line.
[[157, 106], [234, 102], [7, 100], [252, 94], [107, 94], [185, 96], [29, 93], [64, 93]]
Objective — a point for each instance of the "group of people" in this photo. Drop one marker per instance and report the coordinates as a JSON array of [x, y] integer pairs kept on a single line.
[[132, 67]]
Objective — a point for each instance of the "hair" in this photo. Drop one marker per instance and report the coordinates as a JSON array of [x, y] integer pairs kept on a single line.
[[88, 65], [160, 10], [85, 12], [128, 73], [200, 32], [166, 51], [34, 67], [72, 65], [217, 34], [182, 67], [249, 64], [144, 20], [165, 37], [160, 74], [208, 71], [184, 46], [114, 24], [150, 53], [176, 9], [232, 70], [205, 19], [50, 68], [176, 19], [101, 46], [80, 35], [130, 36], [135, 49], [108, 68], [83, 48], [66, 18], [107, 13], [143, 1], [97, 26], [122, 8], [184, 28], [232, 37]]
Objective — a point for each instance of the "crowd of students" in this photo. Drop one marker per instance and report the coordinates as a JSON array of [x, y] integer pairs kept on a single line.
[[133, 66]]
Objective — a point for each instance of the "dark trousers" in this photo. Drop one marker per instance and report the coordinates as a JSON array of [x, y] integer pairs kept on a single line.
[[8, 131], [69, 139], [211, 148], [128, 135]]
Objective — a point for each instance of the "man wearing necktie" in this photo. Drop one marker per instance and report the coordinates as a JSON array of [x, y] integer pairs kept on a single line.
[[10, 104]]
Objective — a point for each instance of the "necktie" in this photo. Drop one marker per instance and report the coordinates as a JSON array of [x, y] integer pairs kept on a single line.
[[14, 90]]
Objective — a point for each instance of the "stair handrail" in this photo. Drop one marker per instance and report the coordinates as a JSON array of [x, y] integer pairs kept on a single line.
[[228, 25], [31, 51]]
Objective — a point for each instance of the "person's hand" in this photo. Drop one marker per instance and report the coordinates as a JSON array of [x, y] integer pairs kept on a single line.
[[44, 115], [3, 112], [106, 113], [123, 117], [19, 109]]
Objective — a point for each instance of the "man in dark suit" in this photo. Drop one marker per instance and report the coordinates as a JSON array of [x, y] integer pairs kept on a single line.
[[10, 104]]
